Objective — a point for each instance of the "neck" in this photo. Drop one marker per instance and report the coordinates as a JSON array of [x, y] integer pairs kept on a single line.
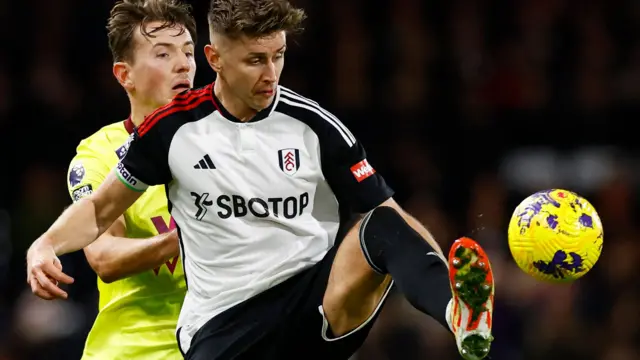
[[232, 104], [139, 111]]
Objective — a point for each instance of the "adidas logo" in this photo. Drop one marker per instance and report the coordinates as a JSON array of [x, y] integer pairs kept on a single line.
[[205, 163]]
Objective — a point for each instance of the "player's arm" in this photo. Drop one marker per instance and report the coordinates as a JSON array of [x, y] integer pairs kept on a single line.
[[82, 223], [77, 227], [114, 256]]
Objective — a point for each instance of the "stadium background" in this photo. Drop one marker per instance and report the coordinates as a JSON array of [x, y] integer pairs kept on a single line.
[[465, 107]]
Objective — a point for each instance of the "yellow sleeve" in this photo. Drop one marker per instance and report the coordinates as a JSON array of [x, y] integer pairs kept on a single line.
[[88, 169]]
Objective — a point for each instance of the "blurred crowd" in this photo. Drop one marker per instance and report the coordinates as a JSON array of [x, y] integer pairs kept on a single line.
[[465, 106]]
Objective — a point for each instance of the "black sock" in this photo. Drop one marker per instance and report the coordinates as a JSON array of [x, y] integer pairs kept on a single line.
[[392, 246]]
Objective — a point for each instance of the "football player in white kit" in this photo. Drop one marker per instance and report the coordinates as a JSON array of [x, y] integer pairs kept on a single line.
[[261, 182]]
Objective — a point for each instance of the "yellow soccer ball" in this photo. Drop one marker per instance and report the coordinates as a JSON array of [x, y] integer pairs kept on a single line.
[[555, 235]]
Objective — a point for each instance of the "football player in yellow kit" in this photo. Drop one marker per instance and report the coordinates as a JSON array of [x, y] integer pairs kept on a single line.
[[140, 278]]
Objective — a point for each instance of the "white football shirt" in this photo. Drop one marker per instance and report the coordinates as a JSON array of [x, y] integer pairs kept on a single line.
[[255, 203]]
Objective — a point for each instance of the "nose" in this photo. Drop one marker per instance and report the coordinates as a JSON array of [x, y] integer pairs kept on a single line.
[[182, 63], [270, 74]]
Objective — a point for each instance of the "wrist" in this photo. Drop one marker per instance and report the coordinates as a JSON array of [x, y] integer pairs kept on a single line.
[[169, 244], [42, 243]]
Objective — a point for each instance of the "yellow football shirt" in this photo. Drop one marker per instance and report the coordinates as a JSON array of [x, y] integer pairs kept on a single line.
[[138, 315]]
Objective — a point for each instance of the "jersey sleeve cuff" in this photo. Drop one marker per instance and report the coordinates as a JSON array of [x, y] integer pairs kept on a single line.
[[128, 179], [374, 199]]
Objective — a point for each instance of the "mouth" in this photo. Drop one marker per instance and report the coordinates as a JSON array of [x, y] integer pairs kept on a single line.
[[181, 86], [266, 92]]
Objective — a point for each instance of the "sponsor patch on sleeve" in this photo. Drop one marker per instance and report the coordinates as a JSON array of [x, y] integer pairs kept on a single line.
[[76, 174], [362, 170], [81, 192]]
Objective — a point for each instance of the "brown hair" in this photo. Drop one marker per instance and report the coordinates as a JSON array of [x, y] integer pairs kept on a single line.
[[129, 15], [254, 18]]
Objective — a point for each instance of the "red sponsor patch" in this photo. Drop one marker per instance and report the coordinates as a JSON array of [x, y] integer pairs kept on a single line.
[[362, 170]]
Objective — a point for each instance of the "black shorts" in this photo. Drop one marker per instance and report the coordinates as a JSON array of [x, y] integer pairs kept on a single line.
[[284, 322]]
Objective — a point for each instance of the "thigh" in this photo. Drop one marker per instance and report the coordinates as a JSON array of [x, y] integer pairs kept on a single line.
[[354, 290], [309, 331]]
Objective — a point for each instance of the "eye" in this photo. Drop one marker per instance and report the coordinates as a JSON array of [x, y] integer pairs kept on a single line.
[[162, 55], [279, 55], [255, 61], [189, 53]]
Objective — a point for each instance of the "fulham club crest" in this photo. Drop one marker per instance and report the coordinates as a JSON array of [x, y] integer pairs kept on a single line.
[[289, 160]]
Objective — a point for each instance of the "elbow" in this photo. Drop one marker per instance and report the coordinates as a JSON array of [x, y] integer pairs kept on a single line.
[[107, 276], [103, 268]]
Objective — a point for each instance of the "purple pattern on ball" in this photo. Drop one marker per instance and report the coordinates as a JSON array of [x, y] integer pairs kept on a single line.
[[586, 221]]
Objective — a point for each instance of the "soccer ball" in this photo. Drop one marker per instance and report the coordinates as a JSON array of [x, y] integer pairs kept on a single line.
[[555, 235]]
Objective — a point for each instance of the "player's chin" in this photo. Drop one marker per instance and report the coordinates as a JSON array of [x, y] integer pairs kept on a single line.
[[177, 91], [262, 100]]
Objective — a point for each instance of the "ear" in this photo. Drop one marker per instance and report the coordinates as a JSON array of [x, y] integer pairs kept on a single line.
[[213, 57], [124, 75]]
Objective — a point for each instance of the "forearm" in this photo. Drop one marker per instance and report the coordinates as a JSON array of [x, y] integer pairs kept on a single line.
[[114, 258], [84, 221], [76, 228]]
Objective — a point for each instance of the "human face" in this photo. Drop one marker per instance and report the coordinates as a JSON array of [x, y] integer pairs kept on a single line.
[[162, 66], [251, 67]]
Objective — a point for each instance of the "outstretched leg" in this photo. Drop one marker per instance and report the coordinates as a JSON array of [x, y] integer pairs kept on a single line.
[[389, 242]]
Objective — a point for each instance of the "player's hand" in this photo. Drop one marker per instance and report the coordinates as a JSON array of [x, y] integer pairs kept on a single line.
[[44, 272]]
